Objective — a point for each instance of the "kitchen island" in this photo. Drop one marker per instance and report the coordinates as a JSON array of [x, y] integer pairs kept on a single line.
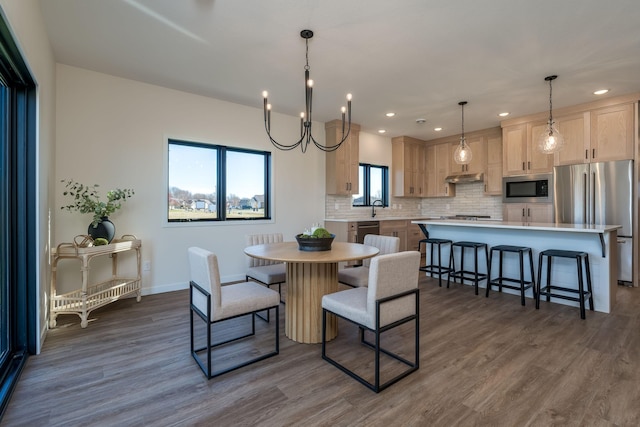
[[599, 241]]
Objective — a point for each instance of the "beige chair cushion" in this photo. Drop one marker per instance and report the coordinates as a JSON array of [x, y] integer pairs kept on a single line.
[[354, 276], [226, 301], [389, 274], [269, 274]]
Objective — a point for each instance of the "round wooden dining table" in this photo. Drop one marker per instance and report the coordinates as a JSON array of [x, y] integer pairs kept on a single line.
[[310, 275]]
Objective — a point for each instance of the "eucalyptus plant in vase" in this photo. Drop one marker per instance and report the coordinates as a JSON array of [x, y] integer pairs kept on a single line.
[[86, 199]]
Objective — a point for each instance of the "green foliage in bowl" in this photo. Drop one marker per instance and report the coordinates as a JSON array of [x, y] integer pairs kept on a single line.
[[320, 233]]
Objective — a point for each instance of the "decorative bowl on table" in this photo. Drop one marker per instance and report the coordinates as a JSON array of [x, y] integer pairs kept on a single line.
[[311, 244]]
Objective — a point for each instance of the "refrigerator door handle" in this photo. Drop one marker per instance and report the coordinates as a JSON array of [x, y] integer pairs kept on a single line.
[[593, 198], [585, 199]]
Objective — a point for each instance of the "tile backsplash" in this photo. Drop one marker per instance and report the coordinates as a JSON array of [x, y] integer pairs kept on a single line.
[[469, 200]]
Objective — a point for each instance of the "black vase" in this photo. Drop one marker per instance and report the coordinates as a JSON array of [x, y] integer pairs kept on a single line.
[[105, 229]]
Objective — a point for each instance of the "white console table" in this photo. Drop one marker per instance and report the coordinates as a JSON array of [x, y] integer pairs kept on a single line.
[[91, 296]]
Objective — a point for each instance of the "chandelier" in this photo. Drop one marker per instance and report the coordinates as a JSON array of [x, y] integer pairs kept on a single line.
[[463, 154], [550, 139], [305, 117]]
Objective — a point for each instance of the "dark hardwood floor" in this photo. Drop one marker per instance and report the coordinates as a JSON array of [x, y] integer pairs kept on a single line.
[[484, 361]]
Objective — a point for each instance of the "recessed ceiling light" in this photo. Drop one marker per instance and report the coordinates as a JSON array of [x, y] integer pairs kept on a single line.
[[505, 114], [601, 91], [421, 120], [390, 114], [437, 129], [381, 131]]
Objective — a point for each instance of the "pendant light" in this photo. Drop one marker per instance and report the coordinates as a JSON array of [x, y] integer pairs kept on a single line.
[[550, 140], [463, 154]]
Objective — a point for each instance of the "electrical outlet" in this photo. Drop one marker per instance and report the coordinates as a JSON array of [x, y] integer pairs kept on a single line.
[[146, 266]]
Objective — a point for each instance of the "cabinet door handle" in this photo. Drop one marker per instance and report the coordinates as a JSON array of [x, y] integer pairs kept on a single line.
[[529, 213], [593, 153], [523, 215], [523, 168], [586, 154], [529, 165]]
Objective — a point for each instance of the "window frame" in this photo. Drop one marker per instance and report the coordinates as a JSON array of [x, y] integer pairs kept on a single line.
[[221, 184], [366, 185]]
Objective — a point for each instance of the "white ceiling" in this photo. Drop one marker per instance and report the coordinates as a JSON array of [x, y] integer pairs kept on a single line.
[[418, 58]]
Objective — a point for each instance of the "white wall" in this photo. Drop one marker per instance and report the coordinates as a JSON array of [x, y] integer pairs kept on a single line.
[[25, 19], [113, 132]]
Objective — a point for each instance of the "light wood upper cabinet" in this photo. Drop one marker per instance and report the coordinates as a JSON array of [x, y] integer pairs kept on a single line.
[[478, 161], [442, 166], [342, 164], [575, 130], [520, 156], [493, 175], [612, 133], [408, 166]]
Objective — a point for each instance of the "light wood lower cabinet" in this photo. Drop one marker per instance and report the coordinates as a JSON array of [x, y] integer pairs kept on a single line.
[[395, 228], [528, 212]]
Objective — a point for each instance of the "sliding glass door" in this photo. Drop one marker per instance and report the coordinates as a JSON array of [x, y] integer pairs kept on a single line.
[[18, 264]]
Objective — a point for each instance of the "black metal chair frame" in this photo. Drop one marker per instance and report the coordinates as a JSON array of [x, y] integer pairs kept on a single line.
[[512, 283], [413, 366], [462, 274], [207, 370], [549, 288]]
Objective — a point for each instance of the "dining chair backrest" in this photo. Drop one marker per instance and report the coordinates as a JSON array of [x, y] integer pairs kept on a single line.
[[386, 245], [392, 274], [205, 273], [261, 239]]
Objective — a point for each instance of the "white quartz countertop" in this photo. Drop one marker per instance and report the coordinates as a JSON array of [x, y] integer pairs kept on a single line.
[[393, 218], [572, 228]]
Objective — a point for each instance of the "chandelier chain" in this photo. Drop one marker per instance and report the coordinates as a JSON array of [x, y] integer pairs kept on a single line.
[[306, 67]]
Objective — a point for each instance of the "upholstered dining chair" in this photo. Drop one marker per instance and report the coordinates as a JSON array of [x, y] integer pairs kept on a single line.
[[390, 300], [214, 303], [358, 276], [267, 272]]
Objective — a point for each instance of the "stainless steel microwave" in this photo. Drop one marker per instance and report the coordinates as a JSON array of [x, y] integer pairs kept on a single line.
[[528, 189]]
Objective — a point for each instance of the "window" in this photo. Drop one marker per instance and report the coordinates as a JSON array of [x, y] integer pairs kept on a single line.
[[374, 184], [217, 183]]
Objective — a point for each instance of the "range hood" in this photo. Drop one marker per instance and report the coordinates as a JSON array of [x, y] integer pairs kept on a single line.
[[461, 179]]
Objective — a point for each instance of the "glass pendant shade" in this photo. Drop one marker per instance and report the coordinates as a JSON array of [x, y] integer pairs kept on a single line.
[[550, 140], [463, 154]]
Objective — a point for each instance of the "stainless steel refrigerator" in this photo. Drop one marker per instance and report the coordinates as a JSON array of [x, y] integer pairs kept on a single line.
[[599, 193]]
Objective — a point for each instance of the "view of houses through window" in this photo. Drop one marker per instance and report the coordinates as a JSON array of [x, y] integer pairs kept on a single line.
[[217, 183], [373, 186]]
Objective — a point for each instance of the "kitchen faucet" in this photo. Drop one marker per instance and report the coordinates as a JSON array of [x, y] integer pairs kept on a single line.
[[373, 207]]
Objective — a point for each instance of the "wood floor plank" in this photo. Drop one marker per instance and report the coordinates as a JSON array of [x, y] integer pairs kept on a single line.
[[483, 361]]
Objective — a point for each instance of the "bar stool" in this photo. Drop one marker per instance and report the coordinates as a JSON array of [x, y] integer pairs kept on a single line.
[[474, 276], [432, 268], [549, 289], [522, 285]]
